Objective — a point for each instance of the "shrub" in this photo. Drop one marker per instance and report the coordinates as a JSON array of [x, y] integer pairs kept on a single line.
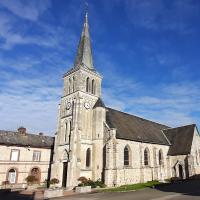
[[87, 182], [83, 181], [100, 184], [31, 179], [54, 181]]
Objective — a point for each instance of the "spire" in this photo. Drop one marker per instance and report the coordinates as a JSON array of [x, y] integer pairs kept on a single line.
[[84, 53]]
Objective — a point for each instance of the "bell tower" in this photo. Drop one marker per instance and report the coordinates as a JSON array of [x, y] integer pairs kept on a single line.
[[75, 126]]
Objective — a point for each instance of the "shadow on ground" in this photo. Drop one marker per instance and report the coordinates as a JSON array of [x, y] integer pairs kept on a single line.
[[17, 195], [187, 187]]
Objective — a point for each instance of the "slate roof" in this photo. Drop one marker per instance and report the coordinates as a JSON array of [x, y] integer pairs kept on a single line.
[[99, 103], [134, 128], [84, 53], [11, 138], [181, 139]]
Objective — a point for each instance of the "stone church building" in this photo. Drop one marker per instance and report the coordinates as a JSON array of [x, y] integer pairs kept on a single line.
[[98, 142]]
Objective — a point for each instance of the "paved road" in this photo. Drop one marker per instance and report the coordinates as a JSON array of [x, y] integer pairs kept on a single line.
[[189, 190]]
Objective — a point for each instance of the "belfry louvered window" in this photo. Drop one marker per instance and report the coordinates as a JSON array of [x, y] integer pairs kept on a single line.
[[93, 86], [87, 84]]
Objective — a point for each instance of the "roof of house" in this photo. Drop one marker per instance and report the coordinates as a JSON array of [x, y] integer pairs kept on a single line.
[[12, 138], [181, 139], [131, 127]]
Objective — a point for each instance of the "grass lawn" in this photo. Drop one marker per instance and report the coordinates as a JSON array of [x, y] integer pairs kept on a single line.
[[137, 186]]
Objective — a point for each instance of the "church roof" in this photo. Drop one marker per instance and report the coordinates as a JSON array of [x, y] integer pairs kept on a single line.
[[84, 52], [181, 139], [12, 138], [131, 127], [99, 103]]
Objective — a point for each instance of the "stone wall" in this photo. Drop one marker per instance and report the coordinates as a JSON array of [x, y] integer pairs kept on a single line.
[[136, 171]]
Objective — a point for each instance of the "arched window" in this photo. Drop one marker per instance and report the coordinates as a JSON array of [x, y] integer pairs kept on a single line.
[[126, 156], [12, 176], [88, 157], [73, 84], [87, 84], [93, 86], [66, 129], [69, 87], [146, 157], [160, 157], [70, 128]]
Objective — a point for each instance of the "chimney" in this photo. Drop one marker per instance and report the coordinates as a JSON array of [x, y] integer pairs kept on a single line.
[[41, 134], [22, 130]]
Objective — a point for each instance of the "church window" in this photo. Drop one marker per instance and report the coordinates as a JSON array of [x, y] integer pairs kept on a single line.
[[70, 127], [88, 157], [73, 84], [146, 157], [87, 84], [160, 157], [126, 156], [66, 129], [69, 87], [93, 86]]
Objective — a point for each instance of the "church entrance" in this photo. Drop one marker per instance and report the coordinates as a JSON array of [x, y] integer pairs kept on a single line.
[[64, 179], [180, 168]]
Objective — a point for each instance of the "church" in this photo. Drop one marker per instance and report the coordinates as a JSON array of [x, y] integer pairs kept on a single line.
[[99, 142]]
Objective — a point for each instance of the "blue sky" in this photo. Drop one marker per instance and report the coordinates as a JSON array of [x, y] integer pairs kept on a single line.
[[147, 51]]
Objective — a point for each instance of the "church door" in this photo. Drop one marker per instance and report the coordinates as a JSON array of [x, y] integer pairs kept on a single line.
[[64, 180]]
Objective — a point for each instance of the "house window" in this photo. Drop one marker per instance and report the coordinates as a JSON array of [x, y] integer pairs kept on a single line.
[[88, 157], [14, 155], [146, 157], [12, 176], [126, 156], [36, 155], [160, 157]]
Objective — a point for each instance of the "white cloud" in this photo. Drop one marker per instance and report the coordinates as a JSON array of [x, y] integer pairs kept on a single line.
[[30, 10], [31, 103]]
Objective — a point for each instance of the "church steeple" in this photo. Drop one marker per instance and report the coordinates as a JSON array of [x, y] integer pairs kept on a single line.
[[84, 52]]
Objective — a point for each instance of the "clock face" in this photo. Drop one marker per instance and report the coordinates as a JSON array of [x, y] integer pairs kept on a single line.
[[87, 105], [68, 105]]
